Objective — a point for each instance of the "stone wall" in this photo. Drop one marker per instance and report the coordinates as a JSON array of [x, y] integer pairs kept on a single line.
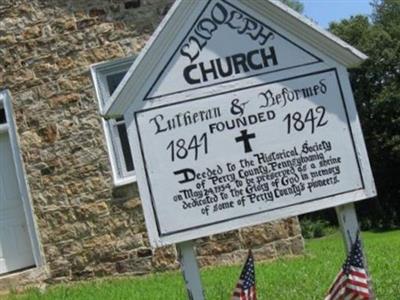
[[86, 227]]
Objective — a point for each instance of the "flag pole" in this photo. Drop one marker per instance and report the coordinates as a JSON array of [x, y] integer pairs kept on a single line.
[[349, 228], [190, 270]]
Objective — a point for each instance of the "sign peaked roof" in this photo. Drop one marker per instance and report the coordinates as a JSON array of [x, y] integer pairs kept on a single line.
[[224, 44], [200, 44]]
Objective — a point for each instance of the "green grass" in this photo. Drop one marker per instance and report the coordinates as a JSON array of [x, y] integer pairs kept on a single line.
[[303, 278]]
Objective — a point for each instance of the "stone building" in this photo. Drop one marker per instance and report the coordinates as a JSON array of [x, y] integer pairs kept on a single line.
[[69, 209]]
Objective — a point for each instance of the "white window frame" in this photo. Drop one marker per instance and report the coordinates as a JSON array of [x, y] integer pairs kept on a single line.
[[9, 128], [99, 73]]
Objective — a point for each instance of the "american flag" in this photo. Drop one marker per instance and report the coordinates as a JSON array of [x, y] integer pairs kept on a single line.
[[246, 286], [352, 281]]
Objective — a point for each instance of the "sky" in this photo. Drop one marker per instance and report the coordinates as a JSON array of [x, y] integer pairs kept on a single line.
[[325, 11]]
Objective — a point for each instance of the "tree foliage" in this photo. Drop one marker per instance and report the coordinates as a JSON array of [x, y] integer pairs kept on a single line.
[[376, 86], [294, 4]]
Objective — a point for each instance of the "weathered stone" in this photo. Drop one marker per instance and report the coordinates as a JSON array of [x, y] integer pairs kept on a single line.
[[111, 51], [83, 274], [98, 242], [103, 28], [104, 269], [33, 278], [204, 261], [82, 24], [80, 13], [135, 266], [96, 12], [32, 32], [72, 248], [63, 233], [144, 252], [65, 63], [265, 252], [257, 235], [132, 4], [297, 245], [119, 26], [28, 97], [216, 248], [132, 203], [230, 235], [20, 76], [93, 210], [66, 84], [64, 99], [103, 253], [52, 251], [133, 241], [47, 171], [44, 68], [47, 90], [165, 258], [82, 230], [293, 226], [60, 268], [233, 257], [7, 40], [283, 247], [49, 134]]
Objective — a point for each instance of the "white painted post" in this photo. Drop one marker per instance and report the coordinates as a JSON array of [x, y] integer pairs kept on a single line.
[[348, 224], [349, 227], [190, 270]]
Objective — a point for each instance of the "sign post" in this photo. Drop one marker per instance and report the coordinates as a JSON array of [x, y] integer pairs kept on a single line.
[[349, 229], [348, 223], [190, 270]]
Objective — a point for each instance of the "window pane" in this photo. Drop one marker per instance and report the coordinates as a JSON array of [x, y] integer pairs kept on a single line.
[[114, 80], [3, 118], [126, 150], [107, 76]]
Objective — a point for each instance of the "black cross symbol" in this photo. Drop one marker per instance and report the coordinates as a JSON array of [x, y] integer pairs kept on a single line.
[[245, 138]]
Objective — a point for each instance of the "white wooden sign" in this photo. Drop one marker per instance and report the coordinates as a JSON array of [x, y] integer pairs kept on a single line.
[[238, 121], [255, 150]]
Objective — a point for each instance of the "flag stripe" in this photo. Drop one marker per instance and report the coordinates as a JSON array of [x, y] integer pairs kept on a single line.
[[359, 274], [352, 281], [337, 287], [246, 286], [357, 289], [361, 284]]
